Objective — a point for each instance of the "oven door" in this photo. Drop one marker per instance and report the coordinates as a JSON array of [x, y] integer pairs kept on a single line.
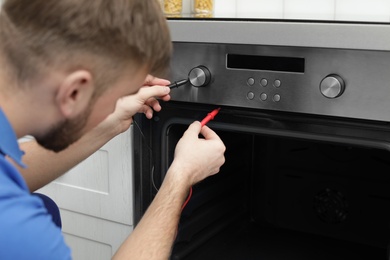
[[294, 186]]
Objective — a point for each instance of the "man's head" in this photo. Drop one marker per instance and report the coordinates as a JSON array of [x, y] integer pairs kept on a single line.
[[80, 50]]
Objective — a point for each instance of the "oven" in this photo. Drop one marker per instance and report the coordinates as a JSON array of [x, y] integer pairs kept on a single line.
[[306, 127]]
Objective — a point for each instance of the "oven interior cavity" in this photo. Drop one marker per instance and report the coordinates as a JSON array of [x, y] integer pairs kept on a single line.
[[287, 198]]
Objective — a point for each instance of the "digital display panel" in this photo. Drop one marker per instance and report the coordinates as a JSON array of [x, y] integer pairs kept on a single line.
[[251, 62]]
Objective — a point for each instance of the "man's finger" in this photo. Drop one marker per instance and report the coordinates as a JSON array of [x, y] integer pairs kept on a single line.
[[209, 134], [152, 102], [154, 91], [151, 80], [194, 129]]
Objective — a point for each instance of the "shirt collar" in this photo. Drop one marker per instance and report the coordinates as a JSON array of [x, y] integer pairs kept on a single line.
[[8, 141]]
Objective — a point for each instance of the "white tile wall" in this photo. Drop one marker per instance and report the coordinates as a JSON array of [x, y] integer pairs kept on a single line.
[[225, 8], [350, 10], [309, 9], [360, 10], [260, 8]]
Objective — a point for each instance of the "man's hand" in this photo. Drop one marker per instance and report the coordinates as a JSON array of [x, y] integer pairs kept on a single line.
[[144, 101], [197, 158], [145, 93]]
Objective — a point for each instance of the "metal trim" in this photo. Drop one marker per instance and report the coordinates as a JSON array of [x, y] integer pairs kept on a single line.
[[279, 33]]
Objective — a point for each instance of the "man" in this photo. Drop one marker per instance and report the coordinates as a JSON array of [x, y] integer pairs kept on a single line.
[[64, 65]]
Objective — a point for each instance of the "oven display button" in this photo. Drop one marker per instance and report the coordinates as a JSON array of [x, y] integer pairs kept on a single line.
[[263, 96], [250, 81], [276, 98], [332, 86], [264, 82], [277, 83], [250, 95]]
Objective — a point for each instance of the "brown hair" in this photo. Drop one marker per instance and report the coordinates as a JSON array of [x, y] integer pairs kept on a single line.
[[38, 34]]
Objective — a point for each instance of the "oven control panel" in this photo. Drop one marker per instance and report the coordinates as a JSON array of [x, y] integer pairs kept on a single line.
[[322, 81]]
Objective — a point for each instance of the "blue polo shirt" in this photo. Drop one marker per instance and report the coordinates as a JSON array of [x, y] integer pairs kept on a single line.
[[26, 228]]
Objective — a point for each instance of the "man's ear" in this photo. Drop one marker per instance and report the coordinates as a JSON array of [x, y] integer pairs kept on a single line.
[[74, 93]]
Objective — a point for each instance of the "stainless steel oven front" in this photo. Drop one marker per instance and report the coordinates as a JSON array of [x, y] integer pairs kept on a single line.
[[307, 132]]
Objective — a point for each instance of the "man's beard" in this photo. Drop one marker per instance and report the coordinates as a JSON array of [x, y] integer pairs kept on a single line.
[[60, 136]]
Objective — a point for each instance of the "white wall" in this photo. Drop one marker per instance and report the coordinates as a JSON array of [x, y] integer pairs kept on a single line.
[[351, 10]]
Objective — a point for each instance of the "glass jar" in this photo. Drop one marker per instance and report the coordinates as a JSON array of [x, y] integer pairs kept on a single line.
[[172, 7], [202, 6]]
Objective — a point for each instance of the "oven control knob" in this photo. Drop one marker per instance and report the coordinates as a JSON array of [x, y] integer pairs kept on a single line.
[[199, 76], [332, 86]]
